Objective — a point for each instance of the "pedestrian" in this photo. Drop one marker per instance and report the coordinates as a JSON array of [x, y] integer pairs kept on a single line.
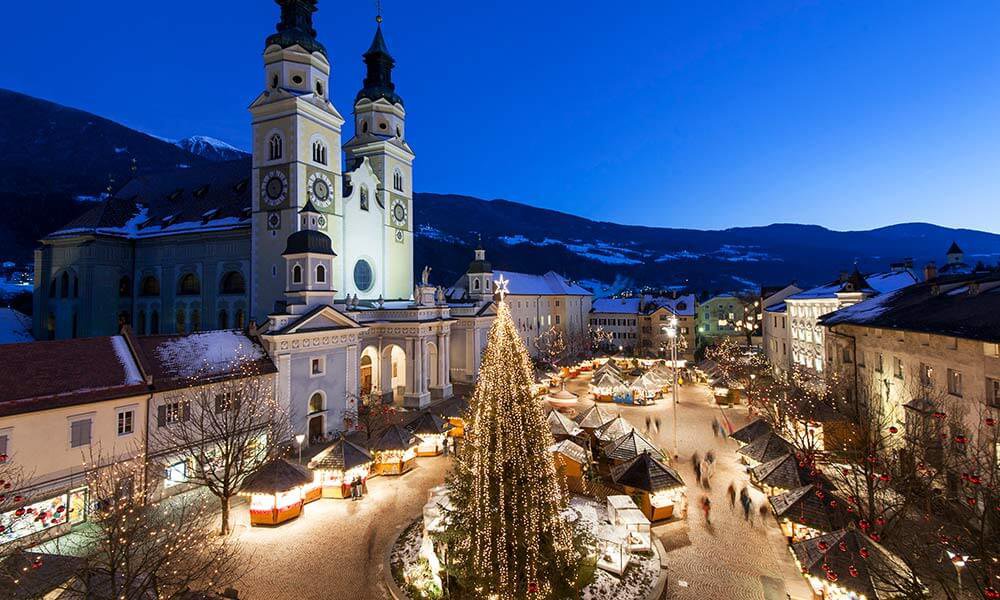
[[696, 461], [715, 428], [732, 494], [657, 423], [763, 511], [447, 445], [746, 503], [649, 423], [354, 489], [706, 506]]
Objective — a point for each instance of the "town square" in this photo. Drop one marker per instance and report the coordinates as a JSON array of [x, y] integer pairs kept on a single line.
[[722, 349]]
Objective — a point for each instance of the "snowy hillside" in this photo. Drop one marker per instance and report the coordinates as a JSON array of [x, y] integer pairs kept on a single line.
[[210, 148]]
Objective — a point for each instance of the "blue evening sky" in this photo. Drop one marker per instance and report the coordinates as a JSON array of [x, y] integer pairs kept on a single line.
[[849, 114]]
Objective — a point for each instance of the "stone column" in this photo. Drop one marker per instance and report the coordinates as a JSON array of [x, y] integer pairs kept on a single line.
[[443, 388], [416, 395]]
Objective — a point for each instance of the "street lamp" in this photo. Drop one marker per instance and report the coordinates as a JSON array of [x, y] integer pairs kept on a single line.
[[298, 440], [671, 331]]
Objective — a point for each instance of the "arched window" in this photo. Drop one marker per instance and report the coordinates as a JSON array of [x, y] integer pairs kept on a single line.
[[189, 285], [364, 127], [320, 274], [140, 324], [319, 152], [274, 147], [397, 180], [315, 403], [319, 87], [76, 286], [180, 321], [475, 284], [195, 320], [53, 289], [154, 323], [125, 287], [238, 319], [73, 333], [223, 319], [296, 274], [150, 286], [364, 198], [64, 285], [234, 283]]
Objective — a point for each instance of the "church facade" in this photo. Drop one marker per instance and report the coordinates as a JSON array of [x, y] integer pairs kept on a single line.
[[309, 245]]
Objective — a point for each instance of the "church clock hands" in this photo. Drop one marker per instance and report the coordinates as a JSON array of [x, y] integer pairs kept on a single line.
[[274, 188], [399, 212], [320, 190]]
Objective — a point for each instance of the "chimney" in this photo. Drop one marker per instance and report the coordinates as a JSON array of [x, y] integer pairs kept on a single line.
[[930, 271]]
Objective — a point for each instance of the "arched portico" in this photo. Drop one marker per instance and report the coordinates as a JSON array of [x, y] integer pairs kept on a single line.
[[395, 377], [368, 371]]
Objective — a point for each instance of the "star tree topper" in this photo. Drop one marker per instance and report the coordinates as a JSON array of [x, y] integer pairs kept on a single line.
[[501, 287]]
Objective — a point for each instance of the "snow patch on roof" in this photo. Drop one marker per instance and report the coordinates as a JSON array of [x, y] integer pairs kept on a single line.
[[124, 355], [549, 284], [208, 353], [15, 327]]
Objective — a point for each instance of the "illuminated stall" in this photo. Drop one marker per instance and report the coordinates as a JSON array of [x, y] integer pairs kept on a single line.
[[340, 464], [605, 386], [562, 427], [847, 565], [613, 430], [432, 431], [627, 447], [454, 411], [765, 448], [395, 451], [593, 418], [807, 512], [781, 474], [751, 431], [276, 491], [612, 551], [571, 461], [659, 489], [562, 399]]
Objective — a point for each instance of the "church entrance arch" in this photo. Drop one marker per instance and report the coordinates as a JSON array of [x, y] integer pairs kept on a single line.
[[368, 368], [393, 372], [431, 369]]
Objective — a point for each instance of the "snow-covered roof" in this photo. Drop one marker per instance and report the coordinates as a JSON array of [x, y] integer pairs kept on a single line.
[[777, 308], [647, 304], [549, 284], [882, 283], [201, 355], [15, 327]]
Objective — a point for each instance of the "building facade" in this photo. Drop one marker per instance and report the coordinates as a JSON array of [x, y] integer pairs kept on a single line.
[[774, 325], [638, 324], [717, 314]]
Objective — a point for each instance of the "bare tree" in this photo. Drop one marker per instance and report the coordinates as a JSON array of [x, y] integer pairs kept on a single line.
[[224, 431], [15, 512], [749, 323], [370, 414], [599, 338], [551, 346]]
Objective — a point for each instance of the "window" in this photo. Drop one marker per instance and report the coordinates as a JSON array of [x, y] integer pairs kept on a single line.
[[954, 382], [364, 127], [233, 282], [195, 319], [397, 181], [879, 364], [319, 87], [140, 324], [364, 198], [274, 81], [4, 444], [319, 152], [320, 274], [317, 366], [64, 285], [126, 421], [364, 277], [125, 287], [53, 289], [897, 367], [274, 147], [150, 286], [175, 474], [180, 321], [557, 319], [846, 355], [475, 284], [79, 433], [238, 319], [926, 375], [297, 274], [154, 323], [227, 401], [172, 412], [991, 350], [223, 319], [992, 393], [189, 285], [316, 403]]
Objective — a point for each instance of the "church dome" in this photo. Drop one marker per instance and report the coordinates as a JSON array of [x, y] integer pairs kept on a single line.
[[309, 241]]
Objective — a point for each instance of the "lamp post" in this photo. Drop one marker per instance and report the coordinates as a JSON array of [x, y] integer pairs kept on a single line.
[[958, 560], [299, 438], [671, 331]]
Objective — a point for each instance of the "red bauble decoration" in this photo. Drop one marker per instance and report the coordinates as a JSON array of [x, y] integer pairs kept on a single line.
[[843, 546], [863, 551], [864, 525], [875, 537], [894, 429], [880, 521], [852, 570], [823, 546], [991, 592], [884, 477], [833, 504], [961, 439], [990, 421], [845, 471], [831, 576], [971, 501]]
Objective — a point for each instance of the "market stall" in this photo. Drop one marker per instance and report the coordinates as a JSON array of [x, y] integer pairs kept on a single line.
[[612, 430], [276, 491], [765, 448], [572, 461], [659, 488], [781, 474], [627, 447], [562, 427], [605, 386], [562, 399], [395, 451], [593, 418], [637, 526], [807, 512], [751, 431], [612, 554], [340, 464], [454, 411], [432, 431]]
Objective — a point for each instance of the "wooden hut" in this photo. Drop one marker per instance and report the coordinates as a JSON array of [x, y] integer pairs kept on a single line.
[[780, 475], [808, 511], [658, 487], [593, 418], [627, 447], [571, 459], [276, 491], [751, 431], [847, 565], [612, 430], [605, 386], [432, 431], [395, 451], [340, 464], [765, 448], [562, 427], [454, 411]]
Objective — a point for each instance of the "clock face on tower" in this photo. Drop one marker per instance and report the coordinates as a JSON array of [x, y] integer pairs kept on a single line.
[[320, 190], [274, 188], [399, 212]]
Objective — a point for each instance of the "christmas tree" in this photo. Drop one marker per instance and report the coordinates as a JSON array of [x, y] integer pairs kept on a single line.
[[507, 537]]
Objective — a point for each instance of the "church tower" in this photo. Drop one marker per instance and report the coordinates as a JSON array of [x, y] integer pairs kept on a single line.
[[479, 276], [309, 260], [296, 142], [380, 136]]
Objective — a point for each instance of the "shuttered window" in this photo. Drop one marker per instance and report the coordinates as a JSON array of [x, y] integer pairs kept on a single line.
[[79, 433]]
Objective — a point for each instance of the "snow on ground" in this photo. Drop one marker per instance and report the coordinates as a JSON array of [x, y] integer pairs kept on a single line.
[[606, 290], [735, 253], [746, 283], [599, 251], [15, 327], [10, 288], [679, 255], [433, 233], [207, 353]]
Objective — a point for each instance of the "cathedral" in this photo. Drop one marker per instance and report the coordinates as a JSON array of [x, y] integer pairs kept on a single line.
[[308, 249]]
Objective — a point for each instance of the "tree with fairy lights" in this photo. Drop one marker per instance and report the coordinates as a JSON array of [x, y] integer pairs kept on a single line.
[[506, 536]]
